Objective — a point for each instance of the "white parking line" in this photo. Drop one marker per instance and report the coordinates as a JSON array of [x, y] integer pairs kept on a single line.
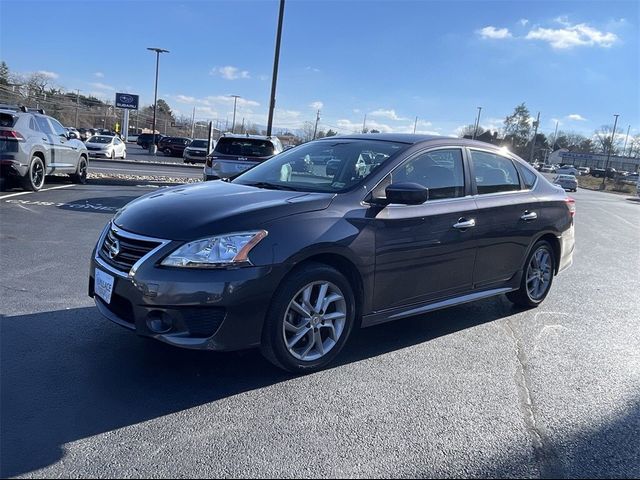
[[43, 190]]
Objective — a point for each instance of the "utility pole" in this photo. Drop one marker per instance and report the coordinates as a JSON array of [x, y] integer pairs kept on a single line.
[[242, 128], [193, 121], [606, 165], [364, 123], [315, 129], [78, 106], [475, 128], [235, 100], [555, 136], [152, 147], [415, 124], [276, 60], [624, 149], [533, 141]]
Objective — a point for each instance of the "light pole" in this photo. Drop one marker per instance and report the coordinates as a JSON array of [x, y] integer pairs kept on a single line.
[[153, 148], [276, 60], [533, 140], [606, 165], [235, 100], [475, 129]]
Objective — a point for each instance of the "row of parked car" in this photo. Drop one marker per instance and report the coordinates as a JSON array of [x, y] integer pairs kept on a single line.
[[609, 172]]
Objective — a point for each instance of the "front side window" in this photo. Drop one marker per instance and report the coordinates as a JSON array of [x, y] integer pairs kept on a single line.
[[58, 128], [346, 162], [494, 173], [441, 171]]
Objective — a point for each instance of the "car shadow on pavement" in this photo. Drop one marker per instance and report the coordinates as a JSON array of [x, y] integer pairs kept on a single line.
[[70, 374]]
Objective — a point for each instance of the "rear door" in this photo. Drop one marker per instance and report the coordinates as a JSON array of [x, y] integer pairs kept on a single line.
[[507, 218], [66, 151]]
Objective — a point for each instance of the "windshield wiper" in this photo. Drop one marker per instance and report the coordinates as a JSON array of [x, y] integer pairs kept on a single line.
[[271, 186]]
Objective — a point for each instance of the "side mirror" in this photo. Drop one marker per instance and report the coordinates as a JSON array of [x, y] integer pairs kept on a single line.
[[407, 193]]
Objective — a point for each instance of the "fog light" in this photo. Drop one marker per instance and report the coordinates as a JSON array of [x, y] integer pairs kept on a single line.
[[159, 322]]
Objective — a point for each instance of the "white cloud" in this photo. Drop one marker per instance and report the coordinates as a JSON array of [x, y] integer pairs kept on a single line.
[[227, 100], [523, 22], [98, 75], [312, 69], [101, 86], [229, 72], [263, 77], [494, 33], [577, 117], [47, 74], [390, 114], [185, 99], [317, 105], [572, 36]]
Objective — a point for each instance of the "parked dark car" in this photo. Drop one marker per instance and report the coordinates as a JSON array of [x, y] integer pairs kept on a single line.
[[600, 172], [292, 263], [145, 139], [173, 146]]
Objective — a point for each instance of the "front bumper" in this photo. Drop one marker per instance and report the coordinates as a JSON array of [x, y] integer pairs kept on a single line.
[[99, 154], [211, 309]]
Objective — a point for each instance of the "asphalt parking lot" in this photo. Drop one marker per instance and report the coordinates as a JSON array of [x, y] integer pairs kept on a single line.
[[480, 390]]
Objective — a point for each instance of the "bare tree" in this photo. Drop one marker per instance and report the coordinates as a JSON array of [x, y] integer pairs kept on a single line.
[[467, 131], [603, 140]]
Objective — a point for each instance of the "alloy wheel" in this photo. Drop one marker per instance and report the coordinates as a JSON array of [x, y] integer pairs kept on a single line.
[[314, 320], [37, 173], [539, 273]]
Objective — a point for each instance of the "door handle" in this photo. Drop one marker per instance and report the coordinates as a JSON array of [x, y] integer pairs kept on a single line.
[[528, 216], [463, 223]]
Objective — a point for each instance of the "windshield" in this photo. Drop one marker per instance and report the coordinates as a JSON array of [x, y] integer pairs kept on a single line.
[[198, 144], [100, 139], [322, 166], [244, 147]]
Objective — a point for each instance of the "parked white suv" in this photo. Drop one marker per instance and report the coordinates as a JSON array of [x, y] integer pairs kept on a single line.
[[33, 145]]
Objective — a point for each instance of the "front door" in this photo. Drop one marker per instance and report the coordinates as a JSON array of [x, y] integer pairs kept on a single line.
[[425, 252]]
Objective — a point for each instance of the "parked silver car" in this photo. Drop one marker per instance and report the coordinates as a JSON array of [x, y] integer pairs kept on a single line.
[[568, 182], [33, 145], [106, 146], [236, 153], [196, 152]]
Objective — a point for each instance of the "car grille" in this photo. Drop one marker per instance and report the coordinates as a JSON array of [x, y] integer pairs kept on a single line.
[[94, 148], [203, 322], [122, 252]]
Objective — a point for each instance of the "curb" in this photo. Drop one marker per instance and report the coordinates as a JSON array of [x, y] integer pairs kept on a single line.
[[145, 162]]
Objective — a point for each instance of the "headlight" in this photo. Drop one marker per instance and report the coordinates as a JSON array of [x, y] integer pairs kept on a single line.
[[213, 252]]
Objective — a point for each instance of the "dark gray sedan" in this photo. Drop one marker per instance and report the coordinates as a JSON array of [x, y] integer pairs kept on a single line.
[[568, 182], [293, 261]]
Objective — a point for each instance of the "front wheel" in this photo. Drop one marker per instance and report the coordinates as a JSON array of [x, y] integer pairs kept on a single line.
[[309, 320], [167, 151], [537, 278], [124, 154], [81, 172]]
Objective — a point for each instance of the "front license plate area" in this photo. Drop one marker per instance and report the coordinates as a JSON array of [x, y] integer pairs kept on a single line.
[[104, 285]]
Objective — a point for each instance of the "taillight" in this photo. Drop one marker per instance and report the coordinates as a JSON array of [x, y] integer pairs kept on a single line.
[[11, 135], [571, 205]]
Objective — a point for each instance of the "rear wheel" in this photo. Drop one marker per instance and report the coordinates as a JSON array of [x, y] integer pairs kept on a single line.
[[310, 319], [167, 151], [34, 179], [537, 278], [81, 173]]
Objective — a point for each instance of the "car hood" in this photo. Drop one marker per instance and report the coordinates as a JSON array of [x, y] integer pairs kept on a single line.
[[210, 208]]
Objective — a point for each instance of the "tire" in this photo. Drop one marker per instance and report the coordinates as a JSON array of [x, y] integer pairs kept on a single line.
[[34, 179], [531, 293], [80, 176], [167, 151], [124, 155], [320, 335]]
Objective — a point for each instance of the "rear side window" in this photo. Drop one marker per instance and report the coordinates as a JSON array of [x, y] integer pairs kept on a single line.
[[441, 171], [244, 147], [528, 176], [494, 173]]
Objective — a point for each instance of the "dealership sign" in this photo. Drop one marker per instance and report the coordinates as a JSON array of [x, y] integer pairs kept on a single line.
[[127, 100]]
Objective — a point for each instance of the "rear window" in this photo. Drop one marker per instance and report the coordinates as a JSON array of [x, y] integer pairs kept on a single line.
[[244, 147], [7, 120], [198, 144]]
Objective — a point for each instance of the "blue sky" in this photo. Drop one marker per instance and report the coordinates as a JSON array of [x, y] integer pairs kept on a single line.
[[574, 61]]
